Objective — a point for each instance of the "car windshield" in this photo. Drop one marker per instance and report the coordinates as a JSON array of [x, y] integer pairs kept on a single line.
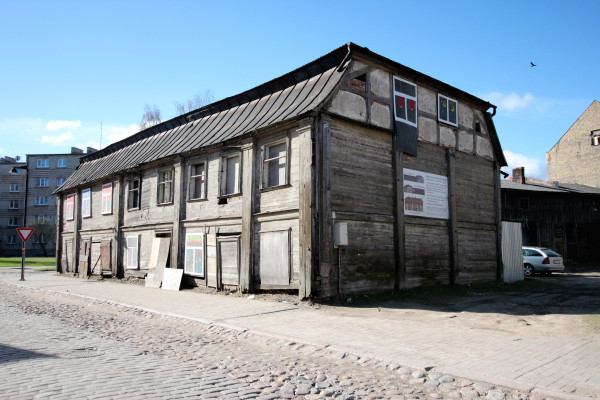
[[550, 253]]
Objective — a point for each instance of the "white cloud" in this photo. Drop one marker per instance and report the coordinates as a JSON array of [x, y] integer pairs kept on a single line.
[[511, 101], [61, 140], [56, 125], [534, 168], [117, 133]]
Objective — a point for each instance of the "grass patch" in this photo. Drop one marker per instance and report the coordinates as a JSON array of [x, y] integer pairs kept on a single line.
[[442, 293], [29, 262]]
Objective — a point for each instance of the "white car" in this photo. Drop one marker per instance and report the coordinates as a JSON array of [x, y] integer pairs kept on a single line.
[[541, 260]]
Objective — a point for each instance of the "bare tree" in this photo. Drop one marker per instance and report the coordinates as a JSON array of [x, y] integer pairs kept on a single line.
[[43, 231], [195, 103], [151, 117]]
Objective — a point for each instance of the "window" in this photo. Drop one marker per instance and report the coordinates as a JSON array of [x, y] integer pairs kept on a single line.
[[15, 187], [230, 175], [165, 187], [596, 138], [13, 205], [198, 181], [43, 163], [132, 252], [38, 239], [405, 101], [41, 201], [274, 165], [60, 181], [12, 239], [194, 254], [86, 203], [133, 196], [70, 206], [447, 110], [61, 163], [43, 218], [42, 182], [13, 221], [107, 198]]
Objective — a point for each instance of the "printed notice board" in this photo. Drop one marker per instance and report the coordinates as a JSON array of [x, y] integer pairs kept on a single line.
[[425, 195]]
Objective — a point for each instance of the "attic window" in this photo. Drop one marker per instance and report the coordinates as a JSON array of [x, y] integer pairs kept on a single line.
[[359, 82], [596, 137], [405, 101], [477, 127], [447, 110]]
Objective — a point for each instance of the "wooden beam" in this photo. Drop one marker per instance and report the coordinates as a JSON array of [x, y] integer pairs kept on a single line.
[[118, 214], [76, 230], [305, 207], [498, 222], [178, 204], [59, 230], [399, 242], [452, 222], [325, 228], [248, 175]]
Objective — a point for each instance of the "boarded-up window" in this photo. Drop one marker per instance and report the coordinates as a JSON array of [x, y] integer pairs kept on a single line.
[[165, 187], [275, 164], [194, 254], [275, 258], [405, 101], [198, 181], [86, 203], [228, 260], [230, 175], [132, 251], [447, 110], [107, 198], [133, 196]]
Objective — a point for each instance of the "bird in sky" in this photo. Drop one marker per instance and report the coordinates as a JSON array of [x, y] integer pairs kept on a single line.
[[532, 64]]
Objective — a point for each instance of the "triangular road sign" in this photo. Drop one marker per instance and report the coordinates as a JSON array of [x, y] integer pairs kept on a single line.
[[25, 233]]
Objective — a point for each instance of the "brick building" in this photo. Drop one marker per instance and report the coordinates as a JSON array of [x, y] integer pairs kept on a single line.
[[576, 156], [12, 205]]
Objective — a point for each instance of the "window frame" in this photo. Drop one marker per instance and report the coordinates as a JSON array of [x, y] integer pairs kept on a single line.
[[86, 199], [43, 182], [107, 202], [264, 169], [189, 269], [159, 201], [12, 239], [13, 221], [62, 164], [60, 181], [44, 164], [13, 204], [193, 177], [138, 190], [408, 97], [16, 186], [439, 107], [41, 201], [70, 207], [223, 175], [134, 251]]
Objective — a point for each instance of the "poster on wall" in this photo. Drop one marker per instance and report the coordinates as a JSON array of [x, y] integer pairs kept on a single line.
[[425, 195], [194, 254]]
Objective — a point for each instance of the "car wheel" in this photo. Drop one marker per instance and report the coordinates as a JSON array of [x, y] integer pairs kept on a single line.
[[528, 270]]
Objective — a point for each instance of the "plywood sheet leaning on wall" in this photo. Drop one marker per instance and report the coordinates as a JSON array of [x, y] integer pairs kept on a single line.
[[158, 261]]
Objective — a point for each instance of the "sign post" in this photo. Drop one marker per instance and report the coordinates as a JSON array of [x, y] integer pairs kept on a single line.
[[24, 233]]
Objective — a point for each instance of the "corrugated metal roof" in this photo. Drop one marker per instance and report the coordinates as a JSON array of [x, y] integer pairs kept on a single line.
[[539, 187], [291, 102]]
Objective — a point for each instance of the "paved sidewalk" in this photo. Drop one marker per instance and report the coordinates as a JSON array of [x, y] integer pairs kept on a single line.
[[567, 368]]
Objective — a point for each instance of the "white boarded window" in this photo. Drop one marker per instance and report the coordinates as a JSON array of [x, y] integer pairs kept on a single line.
[[230, 175], [275, 258], [405, 101], [198, 181], [86, 203], [70, 206], [107, 198], [447, 110], [274, 165], [194, 254], [132, 251]]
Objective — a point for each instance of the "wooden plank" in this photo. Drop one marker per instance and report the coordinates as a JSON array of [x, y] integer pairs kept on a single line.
[[211, 260], [248, 204], [452, 237], [229, 261], [275, 258], [325, 233], [399, 225], [172, 279], [106, 255], [305, 209]]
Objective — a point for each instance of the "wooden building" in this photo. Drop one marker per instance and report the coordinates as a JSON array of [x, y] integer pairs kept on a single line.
[[561, 216], [299, 184]]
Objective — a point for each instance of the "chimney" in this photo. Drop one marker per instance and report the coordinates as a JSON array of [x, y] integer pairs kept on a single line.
[[76, 150], [518, 175], [90, 150]]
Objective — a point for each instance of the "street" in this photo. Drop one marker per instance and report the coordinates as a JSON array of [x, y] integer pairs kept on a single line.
[[58, 346]]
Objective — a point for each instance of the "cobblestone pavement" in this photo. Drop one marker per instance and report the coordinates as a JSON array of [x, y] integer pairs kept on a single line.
[[59, 346]]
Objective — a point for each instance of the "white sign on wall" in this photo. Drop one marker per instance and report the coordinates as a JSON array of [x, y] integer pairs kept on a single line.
[[425, 195]]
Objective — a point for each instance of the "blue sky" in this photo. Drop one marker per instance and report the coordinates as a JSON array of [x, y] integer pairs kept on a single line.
[[68, 66]]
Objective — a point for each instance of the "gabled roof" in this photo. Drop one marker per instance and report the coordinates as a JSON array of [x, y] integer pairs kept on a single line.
[[592, 108], [291, 96], [507, 184]]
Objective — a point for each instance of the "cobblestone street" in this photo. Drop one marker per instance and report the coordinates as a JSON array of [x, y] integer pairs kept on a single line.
[[60, 346]]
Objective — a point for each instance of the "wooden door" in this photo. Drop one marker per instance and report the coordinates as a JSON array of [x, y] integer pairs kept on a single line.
[[228, 259]]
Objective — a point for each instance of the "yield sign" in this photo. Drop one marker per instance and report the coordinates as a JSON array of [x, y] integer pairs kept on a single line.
[[25, 233]]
